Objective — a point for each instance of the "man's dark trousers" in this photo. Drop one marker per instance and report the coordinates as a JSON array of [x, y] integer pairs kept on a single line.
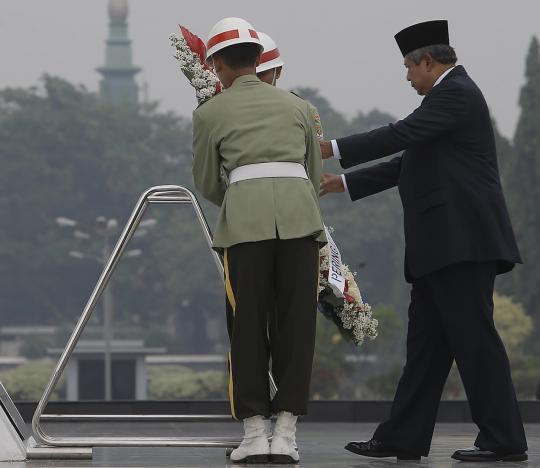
[[451, 317]]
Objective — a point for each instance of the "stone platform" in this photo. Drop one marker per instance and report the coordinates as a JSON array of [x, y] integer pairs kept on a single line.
[[320, 444]]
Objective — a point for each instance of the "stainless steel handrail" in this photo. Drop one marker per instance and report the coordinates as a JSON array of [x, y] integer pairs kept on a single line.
[[135, 417], [158, 194]]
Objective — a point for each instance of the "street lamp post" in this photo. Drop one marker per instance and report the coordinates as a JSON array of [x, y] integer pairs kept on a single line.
[[108, 333], [107, 227], [104, 228]]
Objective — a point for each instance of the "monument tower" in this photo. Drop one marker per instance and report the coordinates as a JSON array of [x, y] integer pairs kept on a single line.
[[118, 84]]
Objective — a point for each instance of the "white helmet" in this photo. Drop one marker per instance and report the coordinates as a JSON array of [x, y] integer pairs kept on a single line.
[[230, 31], [270, 57]]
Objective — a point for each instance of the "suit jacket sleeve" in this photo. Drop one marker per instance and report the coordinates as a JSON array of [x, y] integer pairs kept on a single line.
[[364, 182], [206, 163], [441, 111]]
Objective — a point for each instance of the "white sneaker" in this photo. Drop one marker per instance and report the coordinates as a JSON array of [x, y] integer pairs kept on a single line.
[[254, 447], [283, 449]]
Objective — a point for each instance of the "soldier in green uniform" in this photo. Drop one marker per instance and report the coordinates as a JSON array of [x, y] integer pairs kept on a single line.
[[256, 155], [270, 68], [269, 71]]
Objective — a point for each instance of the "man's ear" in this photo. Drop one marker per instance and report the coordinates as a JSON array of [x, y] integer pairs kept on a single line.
[[429, 62], [278, 72], [217, 64], [258, 61]]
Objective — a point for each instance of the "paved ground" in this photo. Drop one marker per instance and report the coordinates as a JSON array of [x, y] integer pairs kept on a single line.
[[320, 446]]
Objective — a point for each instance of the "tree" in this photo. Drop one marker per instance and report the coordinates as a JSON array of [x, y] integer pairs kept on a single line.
[[513, 324], [330, 368], [522, 180], [28, 381], [506, 156], [179, 382], [65, 152], [369, 232], [335, 125], [387, 346]]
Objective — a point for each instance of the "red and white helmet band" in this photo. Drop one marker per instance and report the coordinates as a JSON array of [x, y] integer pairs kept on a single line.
[[270, 55], [227, 36]]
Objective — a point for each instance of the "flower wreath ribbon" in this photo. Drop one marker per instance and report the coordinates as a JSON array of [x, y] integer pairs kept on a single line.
[[336, 278]]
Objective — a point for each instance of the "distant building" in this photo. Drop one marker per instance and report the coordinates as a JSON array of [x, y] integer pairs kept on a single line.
[[118, 84], [85, 370], [13, 339]]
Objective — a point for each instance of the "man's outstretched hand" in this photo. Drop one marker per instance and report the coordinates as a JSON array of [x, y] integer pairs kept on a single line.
[[331, 183], [326, 149]]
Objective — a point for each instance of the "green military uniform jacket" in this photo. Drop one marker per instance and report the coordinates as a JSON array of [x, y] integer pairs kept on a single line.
[[253, 122]]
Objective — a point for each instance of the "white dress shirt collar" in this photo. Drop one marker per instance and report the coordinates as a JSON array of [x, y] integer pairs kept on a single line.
[[443, 75], [335, 147]]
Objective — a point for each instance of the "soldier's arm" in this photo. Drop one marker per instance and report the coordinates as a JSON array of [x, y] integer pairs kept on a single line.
[[316, 120], [313, 154], [206, 163]]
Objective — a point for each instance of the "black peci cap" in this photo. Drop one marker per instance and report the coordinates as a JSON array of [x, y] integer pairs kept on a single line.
[[422, 35]]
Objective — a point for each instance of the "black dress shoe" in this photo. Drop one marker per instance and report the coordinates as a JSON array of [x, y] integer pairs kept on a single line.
[[375, 448], [476, 454]]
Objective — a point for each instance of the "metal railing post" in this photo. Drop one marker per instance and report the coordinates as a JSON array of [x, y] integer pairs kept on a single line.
[[173, 194]]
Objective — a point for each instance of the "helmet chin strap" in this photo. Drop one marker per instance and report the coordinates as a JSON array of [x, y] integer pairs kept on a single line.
[[274, 77]]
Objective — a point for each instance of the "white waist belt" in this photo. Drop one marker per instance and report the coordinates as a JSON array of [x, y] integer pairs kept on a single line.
[[269, 169]]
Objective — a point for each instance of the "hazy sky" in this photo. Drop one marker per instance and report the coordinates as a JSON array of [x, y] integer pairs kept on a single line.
[[344, 48]]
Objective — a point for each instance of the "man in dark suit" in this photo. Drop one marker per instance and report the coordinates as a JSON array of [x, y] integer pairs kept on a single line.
[[458, 237]]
